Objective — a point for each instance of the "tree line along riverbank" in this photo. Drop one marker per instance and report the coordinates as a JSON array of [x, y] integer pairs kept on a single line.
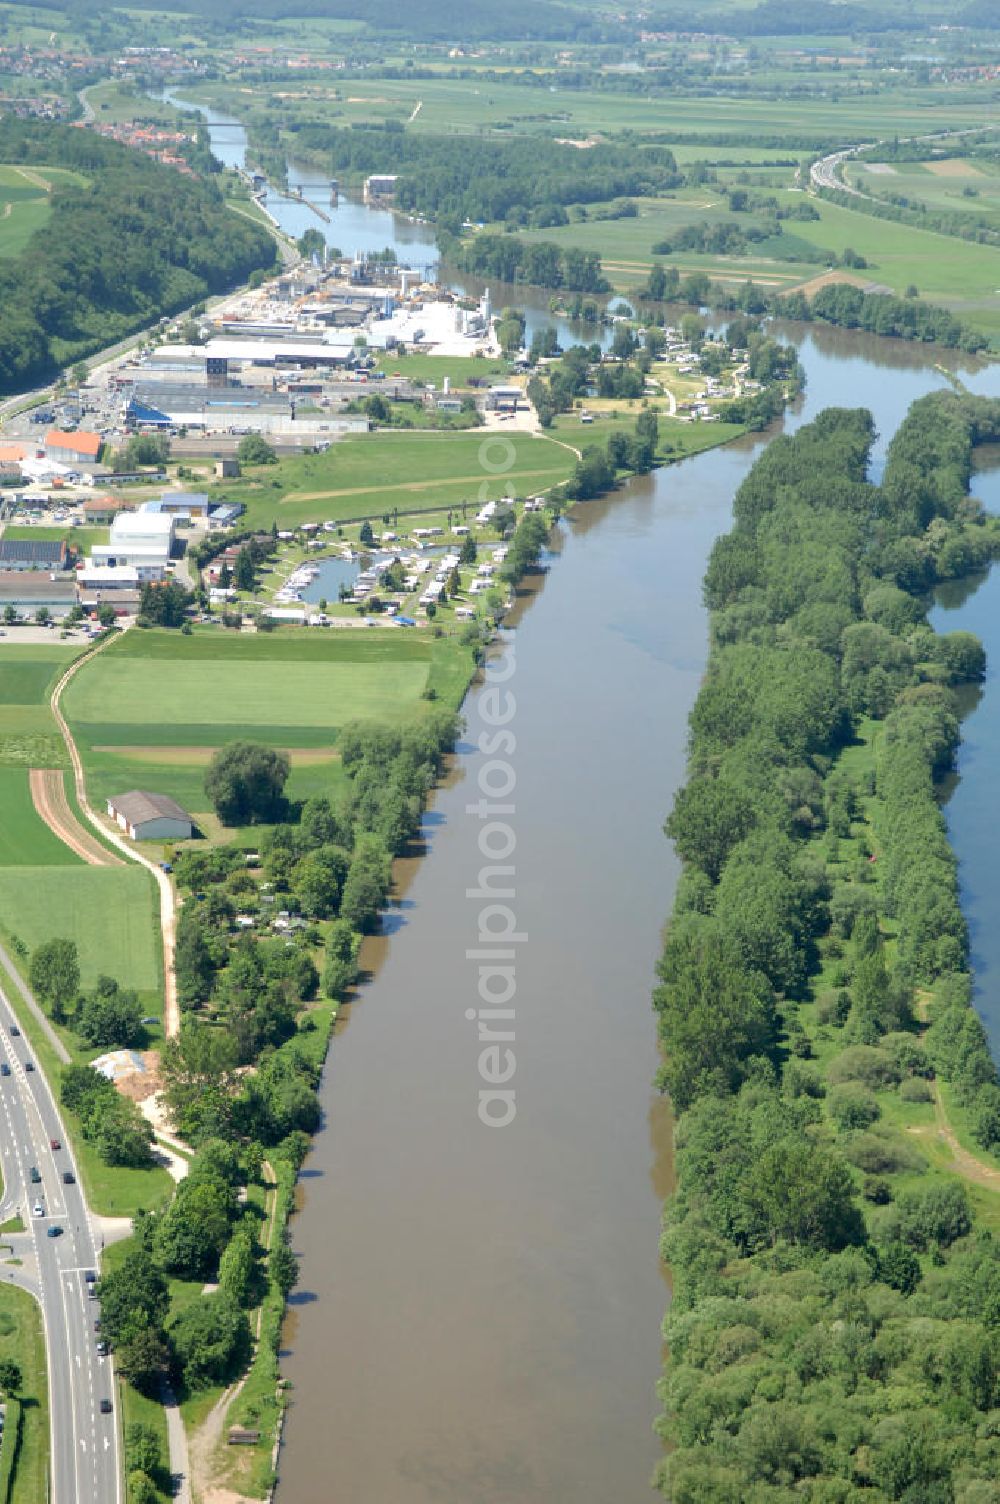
[[836, 1282]]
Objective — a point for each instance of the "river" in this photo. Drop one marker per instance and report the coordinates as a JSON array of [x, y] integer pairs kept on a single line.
[[478, 1315], [973, 806]]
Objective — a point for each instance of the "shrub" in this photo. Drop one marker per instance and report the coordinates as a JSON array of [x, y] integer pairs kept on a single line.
[[853, 1106], [881, 1152], [873, 1067]]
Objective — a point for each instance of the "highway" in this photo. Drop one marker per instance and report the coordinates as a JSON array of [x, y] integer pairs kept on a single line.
[[826, 172], [84, 1447]]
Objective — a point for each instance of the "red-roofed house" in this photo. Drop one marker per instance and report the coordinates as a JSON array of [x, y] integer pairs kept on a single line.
[[69, 448]]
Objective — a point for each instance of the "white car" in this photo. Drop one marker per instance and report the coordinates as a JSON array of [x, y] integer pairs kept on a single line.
[[38, 1210]]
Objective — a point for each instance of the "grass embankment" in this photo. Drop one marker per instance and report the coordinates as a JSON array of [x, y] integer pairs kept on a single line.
[[24, 1454]]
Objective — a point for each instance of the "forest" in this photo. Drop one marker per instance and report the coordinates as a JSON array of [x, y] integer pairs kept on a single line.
[[134, 241], [459, 179], [834, 1333]]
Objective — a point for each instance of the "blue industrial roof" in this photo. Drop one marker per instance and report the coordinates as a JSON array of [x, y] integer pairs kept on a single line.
[[140, 413]]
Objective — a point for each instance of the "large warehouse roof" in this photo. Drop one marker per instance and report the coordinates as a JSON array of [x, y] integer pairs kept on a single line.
[[139, 806]]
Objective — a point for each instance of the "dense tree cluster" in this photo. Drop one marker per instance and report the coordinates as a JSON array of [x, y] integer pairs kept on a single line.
[[728, 237], [246, 939], [203, 1234], [457, 179], [834, 1329], [111, 1122], [130, 242], [508, 258], [882, 313]]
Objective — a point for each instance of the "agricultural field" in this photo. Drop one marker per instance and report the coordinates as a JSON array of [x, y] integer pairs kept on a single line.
[[453, 105], [29, 737], [954, 185], [372, 475], [25, 840], [149, 711], [959, 274], [108, 911]]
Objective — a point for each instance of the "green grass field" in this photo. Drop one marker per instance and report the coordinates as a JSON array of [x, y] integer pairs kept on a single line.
[[451, 104], [370, 475], [961, 274], [25, 840], [24, 203], [460, 368], [29, 737], [956, 185], [292, 689], [107, 911], [22, 1339]]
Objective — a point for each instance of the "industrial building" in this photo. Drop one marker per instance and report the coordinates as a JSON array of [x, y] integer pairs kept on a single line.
[[33, 553], [150, 817], [381, 185], [72, 448], [180, 504], [104, 577], [142, 540], [28, 590]]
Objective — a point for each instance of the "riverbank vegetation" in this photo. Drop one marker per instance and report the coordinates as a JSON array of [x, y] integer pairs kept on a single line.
[[833, 1331], [277, 893]]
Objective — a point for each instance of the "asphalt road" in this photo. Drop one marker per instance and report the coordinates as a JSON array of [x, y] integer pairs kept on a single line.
[[85, 1463]]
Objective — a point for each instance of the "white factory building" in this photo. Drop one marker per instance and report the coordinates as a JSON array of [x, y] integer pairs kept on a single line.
[[139, 540]]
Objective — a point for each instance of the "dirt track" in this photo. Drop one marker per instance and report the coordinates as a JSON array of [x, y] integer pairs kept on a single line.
[[48, 793]]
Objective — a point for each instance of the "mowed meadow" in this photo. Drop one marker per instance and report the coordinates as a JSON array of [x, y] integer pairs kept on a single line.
[[149, 711], [371, 475], [44, 887]]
